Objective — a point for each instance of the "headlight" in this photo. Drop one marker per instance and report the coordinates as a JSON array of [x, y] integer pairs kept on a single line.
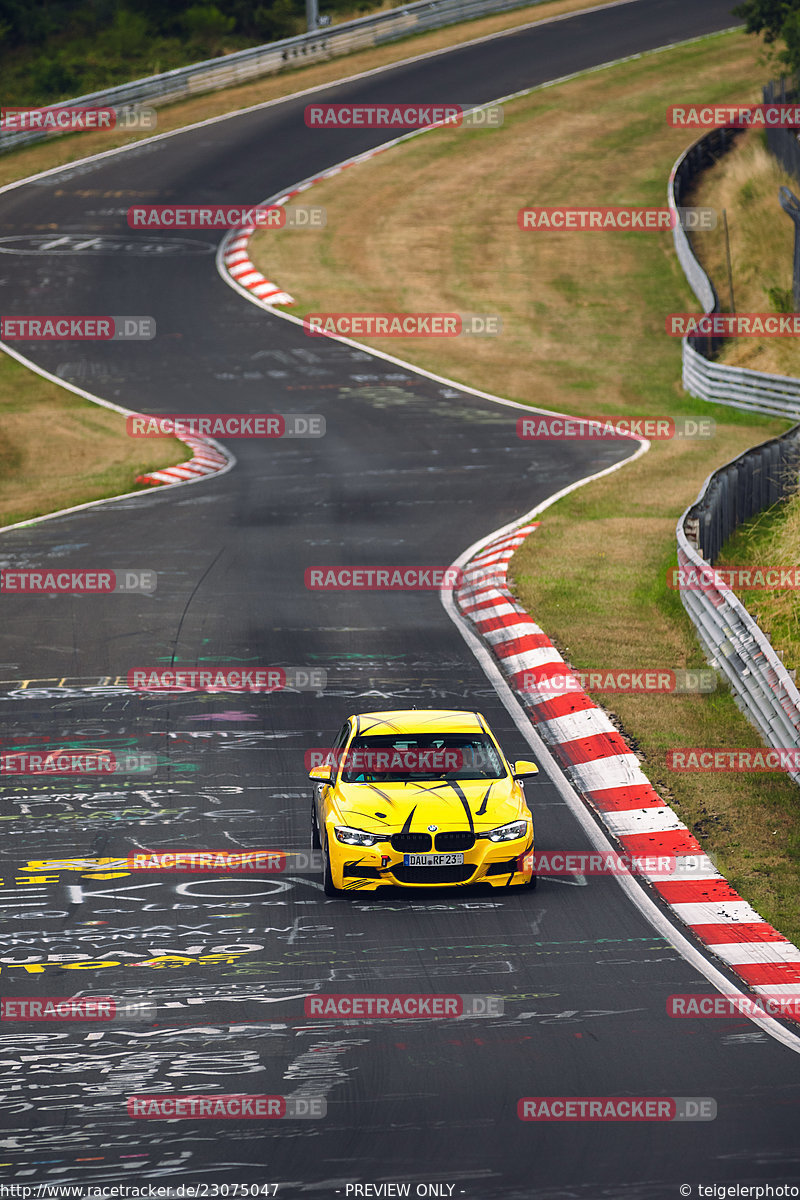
[[355, 837], [508, 833]]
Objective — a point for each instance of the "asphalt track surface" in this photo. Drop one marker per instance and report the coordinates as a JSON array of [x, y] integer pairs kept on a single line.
[[410, 472]]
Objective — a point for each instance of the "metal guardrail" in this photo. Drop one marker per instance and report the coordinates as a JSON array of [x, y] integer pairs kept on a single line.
[[733, 641], [739, 387], [246, 65], [703, 377]]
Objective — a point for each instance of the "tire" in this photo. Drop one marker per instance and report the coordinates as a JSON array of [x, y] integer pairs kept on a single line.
[[316, 844], [327, 878]]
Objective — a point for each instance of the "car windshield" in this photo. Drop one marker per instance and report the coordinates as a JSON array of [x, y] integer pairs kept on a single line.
[[398, 758]]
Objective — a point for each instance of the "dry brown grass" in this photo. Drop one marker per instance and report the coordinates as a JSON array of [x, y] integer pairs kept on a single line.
[[445, 208], [434, 221], [57, 450]]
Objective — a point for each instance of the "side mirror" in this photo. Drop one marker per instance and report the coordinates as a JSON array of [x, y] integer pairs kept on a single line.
[[323, 774], [523, 768]]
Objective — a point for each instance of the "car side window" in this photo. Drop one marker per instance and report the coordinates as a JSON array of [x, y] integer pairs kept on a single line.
[[341, 737], [339, 744]]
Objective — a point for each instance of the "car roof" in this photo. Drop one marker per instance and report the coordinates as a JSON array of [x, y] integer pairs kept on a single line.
[[418, 720]]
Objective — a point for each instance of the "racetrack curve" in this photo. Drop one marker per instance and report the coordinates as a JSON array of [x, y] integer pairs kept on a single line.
[[410, 471]]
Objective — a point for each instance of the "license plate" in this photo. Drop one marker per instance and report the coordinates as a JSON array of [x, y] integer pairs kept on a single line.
[[433, 860]]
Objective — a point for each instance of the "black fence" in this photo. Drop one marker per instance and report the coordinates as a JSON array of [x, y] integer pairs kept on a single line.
[[735, 493], [703, 154]]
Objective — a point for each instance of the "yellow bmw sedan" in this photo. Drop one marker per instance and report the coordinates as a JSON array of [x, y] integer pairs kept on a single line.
[[420, 798]]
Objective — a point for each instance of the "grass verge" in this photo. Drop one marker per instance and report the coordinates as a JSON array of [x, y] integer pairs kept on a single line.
[[770, 539], [431, 226], [57, 449]]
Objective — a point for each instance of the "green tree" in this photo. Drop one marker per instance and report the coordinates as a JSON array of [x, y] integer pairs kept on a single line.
[[128, 35], [282, 19], [791, 36], [163, 16], [54, 79], [207, 26], [778, 21]]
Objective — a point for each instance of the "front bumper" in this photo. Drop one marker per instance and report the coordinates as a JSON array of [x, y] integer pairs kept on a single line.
[[499, 864]]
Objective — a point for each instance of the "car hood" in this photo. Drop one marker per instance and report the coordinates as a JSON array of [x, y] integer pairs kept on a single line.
[[479, 804]]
